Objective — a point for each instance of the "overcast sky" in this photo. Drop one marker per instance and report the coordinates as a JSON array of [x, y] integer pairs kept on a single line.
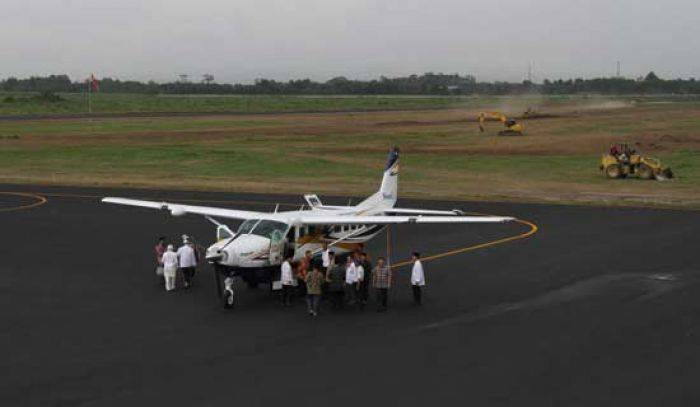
[[240, 40]]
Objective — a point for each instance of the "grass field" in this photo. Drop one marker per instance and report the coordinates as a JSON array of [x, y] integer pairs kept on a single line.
[[443, 154], [105, 103]]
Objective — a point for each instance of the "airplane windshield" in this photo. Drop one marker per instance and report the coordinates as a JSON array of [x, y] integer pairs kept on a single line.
[[247, 226], [267, 227], [264, 228]]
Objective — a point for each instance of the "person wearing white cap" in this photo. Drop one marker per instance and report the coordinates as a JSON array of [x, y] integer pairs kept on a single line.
[[170, 267]]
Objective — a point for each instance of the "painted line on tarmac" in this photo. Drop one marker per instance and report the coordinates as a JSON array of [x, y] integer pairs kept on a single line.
[[531, 231], [40, 200]]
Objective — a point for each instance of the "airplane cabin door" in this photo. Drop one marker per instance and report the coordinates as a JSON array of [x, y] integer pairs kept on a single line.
[[277, 245]]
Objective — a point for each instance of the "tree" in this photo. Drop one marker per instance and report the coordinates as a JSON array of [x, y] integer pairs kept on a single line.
[[651, 76]]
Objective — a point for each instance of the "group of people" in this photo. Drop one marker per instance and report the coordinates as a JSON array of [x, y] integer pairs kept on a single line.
[[169, 262], [343, 284]]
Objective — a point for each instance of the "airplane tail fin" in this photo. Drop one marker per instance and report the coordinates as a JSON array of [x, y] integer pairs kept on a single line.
[[390, 181], [388, 191]]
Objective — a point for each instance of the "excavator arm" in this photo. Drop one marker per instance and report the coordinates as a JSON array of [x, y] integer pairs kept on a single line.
[[510, 124]]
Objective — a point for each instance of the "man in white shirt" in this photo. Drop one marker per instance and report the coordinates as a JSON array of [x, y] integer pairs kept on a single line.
[[360, 281], [325, 257], [287, 279], [351, 280], [417, 278], [188, 262], [170, 262]]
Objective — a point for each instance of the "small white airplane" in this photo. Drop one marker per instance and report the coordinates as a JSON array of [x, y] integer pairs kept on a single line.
[[257, 249]]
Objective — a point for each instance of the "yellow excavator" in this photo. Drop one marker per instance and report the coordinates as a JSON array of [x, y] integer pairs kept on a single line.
[[623, 160], [513, 128]]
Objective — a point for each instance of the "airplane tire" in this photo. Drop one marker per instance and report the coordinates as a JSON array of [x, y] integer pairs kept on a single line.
[[228, 299]]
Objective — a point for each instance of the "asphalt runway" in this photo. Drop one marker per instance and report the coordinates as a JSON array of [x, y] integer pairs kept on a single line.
[[600, 307]]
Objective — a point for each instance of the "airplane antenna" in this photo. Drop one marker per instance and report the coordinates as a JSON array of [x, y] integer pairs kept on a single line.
[[277, 206]]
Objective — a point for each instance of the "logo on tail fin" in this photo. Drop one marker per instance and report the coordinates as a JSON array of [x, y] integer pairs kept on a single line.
[[392, 164]]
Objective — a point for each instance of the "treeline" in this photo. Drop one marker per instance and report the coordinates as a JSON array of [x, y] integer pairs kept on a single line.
[[426, 84]]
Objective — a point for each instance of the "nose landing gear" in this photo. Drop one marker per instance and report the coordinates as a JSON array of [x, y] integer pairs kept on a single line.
[[227, 292], [229, 295]]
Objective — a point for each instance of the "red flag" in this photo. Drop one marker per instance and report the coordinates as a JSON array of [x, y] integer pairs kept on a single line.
[[94, 83]]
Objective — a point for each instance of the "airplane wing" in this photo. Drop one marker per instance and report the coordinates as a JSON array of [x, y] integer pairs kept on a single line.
[[387, 220], [405, 211], [179, 210]]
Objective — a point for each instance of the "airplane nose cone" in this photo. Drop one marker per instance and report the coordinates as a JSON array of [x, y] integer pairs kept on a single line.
[[238, 253], [214, 254], [224, 256]]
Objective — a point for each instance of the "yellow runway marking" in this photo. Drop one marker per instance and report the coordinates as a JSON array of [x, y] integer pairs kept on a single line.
[[533, 227], [40, 200]]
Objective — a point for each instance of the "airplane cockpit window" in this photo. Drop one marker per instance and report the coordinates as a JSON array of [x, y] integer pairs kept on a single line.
[[267, 227], [247, 226], [222, 232]]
